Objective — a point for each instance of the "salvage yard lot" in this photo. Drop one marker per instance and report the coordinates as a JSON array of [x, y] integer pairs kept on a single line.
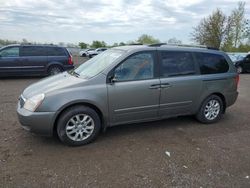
[[216, 155]]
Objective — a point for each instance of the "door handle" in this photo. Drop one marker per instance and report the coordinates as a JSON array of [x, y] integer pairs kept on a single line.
[[165, 85], [155, 86]]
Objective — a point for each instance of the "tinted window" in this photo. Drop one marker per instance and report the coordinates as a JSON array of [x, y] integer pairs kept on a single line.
[[56, 51], [211, 63], [136, 67], [10, 52], [247, 58], [33, 51], [176, 63]]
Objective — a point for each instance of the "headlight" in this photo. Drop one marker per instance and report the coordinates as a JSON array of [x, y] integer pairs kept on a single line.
[[32, 103]]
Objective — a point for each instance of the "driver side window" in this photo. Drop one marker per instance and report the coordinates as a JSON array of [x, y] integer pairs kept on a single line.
[[136, 67], [10, 52]]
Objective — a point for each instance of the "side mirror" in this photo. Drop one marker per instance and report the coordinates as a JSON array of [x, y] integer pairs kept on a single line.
[[112, 79]]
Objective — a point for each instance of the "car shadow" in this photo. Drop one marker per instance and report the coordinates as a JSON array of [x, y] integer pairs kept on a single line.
[[144, 128]]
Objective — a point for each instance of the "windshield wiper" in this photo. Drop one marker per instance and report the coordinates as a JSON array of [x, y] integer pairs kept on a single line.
[[75, 73]]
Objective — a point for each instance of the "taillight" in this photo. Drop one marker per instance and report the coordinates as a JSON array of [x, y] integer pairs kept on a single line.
[[70, 62], [237, 80]]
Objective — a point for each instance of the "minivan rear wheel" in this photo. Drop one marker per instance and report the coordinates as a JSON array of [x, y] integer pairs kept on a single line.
[[55, 69], [78, 125], [210, 110]]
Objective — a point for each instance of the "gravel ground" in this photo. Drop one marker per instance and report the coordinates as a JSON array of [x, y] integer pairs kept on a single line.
[[178, 152]]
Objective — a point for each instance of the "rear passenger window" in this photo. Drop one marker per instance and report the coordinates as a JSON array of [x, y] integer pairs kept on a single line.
[[211, 63], [176, 63], [33, 51], [56, 51]]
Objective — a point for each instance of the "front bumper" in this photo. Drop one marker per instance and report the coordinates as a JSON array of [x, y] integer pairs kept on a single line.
[[40, 123]]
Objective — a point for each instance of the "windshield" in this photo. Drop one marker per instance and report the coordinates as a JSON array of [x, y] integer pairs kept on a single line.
[[97, 64]]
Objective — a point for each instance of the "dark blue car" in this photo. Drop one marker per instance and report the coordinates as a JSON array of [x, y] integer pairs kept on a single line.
[[26, 60]]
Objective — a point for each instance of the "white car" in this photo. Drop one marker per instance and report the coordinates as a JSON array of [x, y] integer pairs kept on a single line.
[[84, 53], [96, 52]]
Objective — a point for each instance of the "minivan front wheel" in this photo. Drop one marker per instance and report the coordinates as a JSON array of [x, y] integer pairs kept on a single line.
[[210, 110], [78, 125]]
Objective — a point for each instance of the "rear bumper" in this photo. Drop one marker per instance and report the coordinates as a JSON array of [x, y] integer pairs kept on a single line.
[[68, 67], [40, 123], [231, 98]]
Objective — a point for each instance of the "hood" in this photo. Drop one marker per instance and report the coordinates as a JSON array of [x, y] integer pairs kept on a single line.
[[52, 83]]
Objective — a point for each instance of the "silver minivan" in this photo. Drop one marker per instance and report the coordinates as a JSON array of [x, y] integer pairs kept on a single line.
[[130, 84]]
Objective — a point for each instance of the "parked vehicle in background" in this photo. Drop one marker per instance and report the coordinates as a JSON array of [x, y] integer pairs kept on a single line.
[[84, 53], [96, 52], [234, 56], [26, 60], [90, 52], [243, 65], [130, 84]]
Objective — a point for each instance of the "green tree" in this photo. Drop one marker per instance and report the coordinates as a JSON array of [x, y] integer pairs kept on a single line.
[[238, 23], [98, 44], [174, 41], [83, 45], [221, 31], [115, 44], [25, 41], [211, 30], [122, 44], [147, 39]]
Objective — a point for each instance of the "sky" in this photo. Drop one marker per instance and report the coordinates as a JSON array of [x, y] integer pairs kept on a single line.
[[73, 21]]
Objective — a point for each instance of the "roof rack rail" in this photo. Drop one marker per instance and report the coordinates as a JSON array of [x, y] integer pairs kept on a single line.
[[157, 44], [183, 45], [135, 44], [212, 48], [190, 45]]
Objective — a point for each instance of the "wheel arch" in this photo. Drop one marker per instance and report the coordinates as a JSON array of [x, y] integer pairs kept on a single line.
[[54, 63], [222, 97], [94, 107]]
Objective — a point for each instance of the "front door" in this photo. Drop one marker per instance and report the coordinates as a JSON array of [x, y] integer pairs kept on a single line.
[[10, 62], [134, 92], [180, 84]]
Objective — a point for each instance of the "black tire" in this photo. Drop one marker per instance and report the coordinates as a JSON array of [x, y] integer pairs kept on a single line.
[[90, 56], [54, 69], [70, 113], [239, 69], [201, 115]]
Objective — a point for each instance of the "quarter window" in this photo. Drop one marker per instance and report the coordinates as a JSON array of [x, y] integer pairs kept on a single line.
[[10, 52], [55, 51], [136, 67], [211, 63], [176, 64]]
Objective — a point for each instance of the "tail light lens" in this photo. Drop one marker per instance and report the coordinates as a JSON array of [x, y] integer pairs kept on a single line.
[[70, 62]]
